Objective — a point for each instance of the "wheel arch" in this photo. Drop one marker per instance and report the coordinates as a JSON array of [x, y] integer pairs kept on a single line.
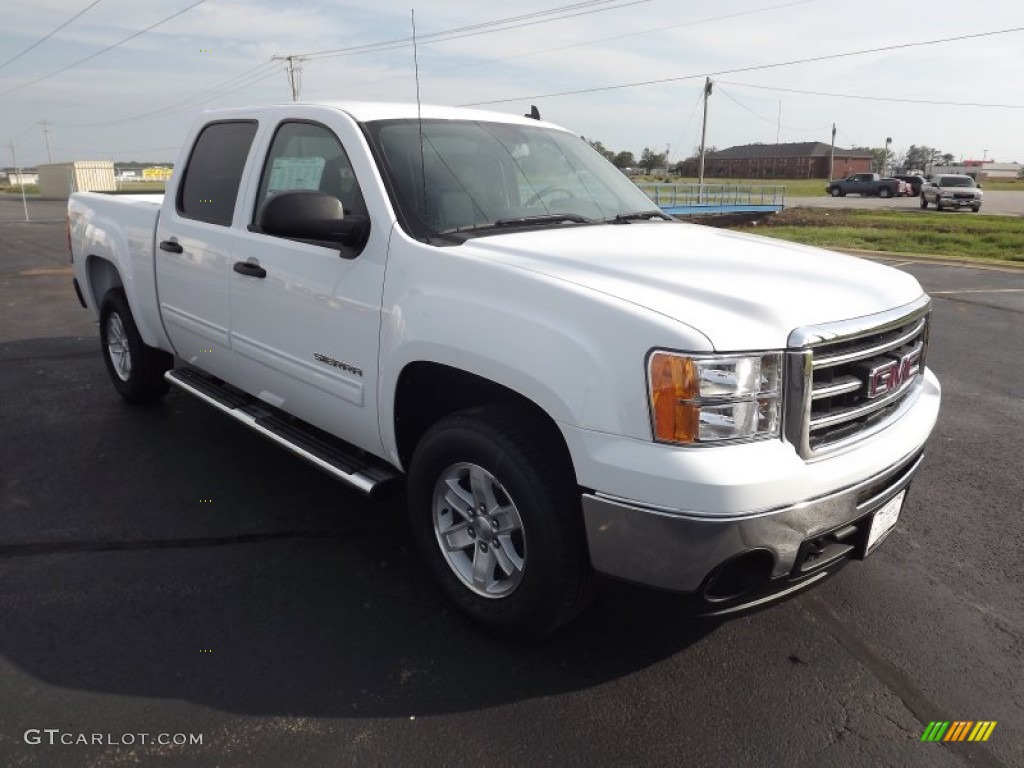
[[101, 277], [428, 391]]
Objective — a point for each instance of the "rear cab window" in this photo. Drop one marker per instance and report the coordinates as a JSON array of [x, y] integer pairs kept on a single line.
[[213, 174]]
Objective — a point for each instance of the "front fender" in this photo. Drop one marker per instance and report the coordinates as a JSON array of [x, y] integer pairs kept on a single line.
[[578, 354]]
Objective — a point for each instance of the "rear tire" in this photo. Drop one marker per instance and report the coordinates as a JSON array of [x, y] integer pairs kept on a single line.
[[136, 370], [495, 512]]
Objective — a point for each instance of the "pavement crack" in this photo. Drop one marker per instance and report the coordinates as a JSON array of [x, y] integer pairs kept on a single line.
[[30, 549], [986, 305], [889, 675]]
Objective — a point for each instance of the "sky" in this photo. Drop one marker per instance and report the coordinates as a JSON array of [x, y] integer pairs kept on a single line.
[[137, 100]]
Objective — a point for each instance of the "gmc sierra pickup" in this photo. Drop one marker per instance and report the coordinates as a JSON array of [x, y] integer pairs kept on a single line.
[[952, 191], [865, 184], [566, 381]]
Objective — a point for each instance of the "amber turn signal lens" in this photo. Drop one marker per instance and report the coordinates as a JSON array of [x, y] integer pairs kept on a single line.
[[674, 380]]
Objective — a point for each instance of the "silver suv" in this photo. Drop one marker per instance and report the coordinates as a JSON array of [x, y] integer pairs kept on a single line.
[[952, 191]]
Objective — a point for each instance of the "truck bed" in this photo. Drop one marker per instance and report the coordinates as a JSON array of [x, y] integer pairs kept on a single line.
[[119, 229]]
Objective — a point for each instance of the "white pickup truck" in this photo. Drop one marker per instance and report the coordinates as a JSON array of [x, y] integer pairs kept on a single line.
[[569, 381]]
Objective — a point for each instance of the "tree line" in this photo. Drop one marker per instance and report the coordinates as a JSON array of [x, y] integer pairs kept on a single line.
[[648, 161], [915, 158]]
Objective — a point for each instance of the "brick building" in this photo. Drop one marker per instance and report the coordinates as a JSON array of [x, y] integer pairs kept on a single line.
[[795, 160]]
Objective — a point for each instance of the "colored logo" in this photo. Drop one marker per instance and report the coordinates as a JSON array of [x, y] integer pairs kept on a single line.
[[958, 730], [892, 374]]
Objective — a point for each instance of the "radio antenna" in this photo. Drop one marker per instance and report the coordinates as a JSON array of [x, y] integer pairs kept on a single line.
[[419, 112]]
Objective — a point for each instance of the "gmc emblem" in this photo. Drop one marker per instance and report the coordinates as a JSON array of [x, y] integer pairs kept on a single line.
[[891, 375]]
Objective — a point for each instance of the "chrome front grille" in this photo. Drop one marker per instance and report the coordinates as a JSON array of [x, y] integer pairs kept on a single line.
[[848, 380]]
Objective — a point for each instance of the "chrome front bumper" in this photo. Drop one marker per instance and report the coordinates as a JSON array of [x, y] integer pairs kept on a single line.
[[681, 553]]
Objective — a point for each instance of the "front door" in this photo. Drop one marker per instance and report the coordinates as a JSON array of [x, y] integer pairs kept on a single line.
[[305, 318]]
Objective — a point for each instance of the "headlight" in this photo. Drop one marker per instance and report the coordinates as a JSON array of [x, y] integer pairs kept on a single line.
[[711, 399]]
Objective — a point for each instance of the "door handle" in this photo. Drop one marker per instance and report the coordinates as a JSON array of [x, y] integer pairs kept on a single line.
[[250, 269], [171, 246]]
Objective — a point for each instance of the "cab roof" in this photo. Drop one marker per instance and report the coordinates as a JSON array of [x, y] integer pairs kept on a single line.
[[367, 111]]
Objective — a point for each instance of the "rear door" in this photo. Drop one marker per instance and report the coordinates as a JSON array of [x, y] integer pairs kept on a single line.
[[194, 244], [305, 318]]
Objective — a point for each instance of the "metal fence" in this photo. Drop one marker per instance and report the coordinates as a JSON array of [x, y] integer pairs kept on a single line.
[[716, 197]]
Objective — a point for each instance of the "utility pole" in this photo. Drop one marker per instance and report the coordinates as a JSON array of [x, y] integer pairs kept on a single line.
[[778, 135], [21, 178], [294, 73], [832, 155], [885, 157], [708, 86], [46, 135]]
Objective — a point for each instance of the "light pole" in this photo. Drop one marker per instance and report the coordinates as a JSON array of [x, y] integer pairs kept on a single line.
[[885, 157]]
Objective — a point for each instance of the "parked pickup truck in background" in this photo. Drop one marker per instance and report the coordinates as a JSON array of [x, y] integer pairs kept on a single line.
[[952, 191], [566, 381], [864, 184]]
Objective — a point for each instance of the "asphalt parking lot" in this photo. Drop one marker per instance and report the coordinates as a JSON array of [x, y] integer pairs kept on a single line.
[[997, 202], [166, 571]]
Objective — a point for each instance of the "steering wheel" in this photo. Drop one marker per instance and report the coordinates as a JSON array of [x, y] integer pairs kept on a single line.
[[547, 191]]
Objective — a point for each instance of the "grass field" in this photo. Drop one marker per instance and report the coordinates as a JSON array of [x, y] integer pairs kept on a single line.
[[1005, 185], [30, 189], [952, 233]]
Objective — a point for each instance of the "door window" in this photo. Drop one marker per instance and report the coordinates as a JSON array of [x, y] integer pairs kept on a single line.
[[214, 172], [307, 156]]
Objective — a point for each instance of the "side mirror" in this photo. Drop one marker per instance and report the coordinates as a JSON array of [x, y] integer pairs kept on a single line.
[[979, 185], [312, 216]]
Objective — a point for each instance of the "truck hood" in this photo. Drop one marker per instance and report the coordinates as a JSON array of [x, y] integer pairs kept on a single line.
[[741, 291]]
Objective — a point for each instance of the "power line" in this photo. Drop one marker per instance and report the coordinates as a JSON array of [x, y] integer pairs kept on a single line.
[[639, 33], [898, 100], [597, 41], [254, 75], [104, 50], [689, 120], [249, 77], [50, 34], [758, 115], [484, 28], [752, 68]]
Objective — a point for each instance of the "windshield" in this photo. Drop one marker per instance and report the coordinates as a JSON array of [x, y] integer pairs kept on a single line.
[[956, 181], [484, 177]]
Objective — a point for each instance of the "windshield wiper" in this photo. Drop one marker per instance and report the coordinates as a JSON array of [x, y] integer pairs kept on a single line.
[[521, 221], [544, 218], [627, 218]]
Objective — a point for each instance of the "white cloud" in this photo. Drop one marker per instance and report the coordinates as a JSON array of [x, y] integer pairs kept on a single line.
[[166, 66]]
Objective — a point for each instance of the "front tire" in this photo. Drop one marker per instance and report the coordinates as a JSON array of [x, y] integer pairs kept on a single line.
[[835, 192], [938, 203], [975, 208], [136, 370], [495, 512]]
